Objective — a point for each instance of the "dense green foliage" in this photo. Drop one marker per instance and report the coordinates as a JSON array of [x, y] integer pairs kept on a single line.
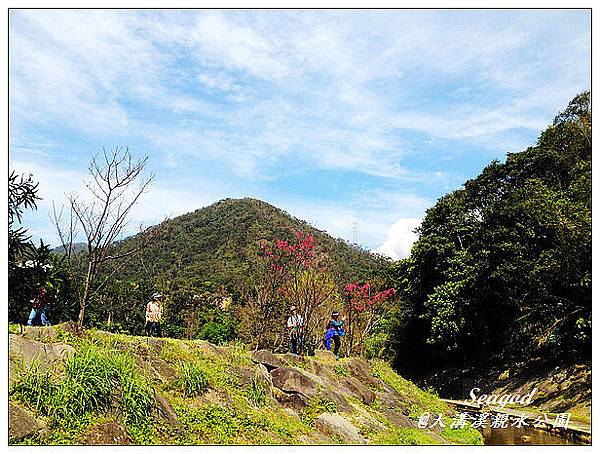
[[502, 265]]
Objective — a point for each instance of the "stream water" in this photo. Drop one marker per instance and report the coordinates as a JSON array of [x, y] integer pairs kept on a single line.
[[526, 436]]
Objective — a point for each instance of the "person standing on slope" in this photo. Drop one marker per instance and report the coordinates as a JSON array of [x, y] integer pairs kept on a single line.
[[295, 325], [335, 331], [154, 315]]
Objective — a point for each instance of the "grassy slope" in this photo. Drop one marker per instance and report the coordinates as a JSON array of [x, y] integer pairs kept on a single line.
[[113, 378]]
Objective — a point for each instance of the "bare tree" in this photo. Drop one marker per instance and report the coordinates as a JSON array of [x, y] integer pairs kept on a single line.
[[116, 184]]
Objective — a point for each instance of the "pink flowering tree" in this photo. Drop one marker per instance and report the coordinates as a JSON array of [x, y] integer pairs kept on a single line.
[[292, 273], [365, 308]]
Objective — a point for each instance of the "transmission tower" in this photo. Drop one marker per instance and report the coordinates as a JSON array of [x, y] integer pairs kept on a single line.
[[355, 232]]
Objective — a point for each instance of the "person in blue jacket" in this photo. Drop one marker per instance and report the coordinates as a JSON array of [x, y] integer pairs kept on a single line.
[[335, 330]]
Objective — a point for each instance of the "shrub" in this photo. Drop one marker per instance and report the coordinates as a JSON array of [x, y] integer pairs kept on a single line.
[[216, 333]]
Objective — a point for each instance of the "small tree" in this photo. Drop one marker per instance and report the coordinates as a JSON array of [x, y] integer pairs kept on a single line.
[[365, 308], [292, 273], [103, 217]]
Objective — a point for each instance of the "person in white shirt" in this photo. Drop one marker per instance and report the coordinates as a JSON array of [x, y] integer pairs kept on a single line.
[[295, 325]]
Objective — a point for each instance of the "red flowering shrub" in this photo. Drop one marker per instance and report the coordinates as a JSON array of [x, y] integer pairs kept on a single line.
[[364, 310]]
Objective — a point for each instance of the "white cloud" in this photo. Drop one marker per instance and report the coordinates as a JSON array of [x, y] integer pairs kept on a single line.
[[345, 76], [400, 238]]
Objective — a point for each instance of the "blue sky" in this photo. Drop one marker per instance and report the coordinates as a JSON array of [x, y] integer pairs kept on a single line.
[[335, 116]]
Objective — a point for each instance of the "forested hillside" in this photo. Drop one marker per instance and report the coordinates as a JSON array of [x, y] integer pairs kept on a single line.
[[211, 253], [502, 267]]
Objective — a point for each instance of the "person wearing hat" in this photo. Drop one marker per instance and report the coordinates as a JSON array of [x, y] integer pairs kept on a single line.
[[335, 330], [295, 325], [154, 315]]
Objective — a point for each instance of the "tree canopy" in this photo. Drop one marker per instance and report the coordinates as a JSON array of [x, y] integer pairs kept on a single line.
[[502, 266]]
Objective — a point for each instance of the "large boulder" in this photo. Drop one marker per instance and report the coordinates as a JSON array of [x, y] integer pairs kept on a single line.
[[293, 381], [363, 372], [21, 424], [356, 388], [292, 360], [50, 333], [23, 352], [244, 375], [334, 425], [293, 401], [210, 349], [156, 368], [341, 404], [267, 358]]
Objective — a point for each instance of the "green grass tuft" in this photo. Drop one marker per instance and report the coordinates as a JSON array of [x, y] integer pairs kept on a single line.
[[95, 381], [193, 380], [317, 405]]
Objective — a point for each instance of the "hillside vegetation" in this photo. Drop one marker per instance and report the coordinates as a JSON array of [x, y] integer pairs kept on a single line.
[[68, 387], [210, 253], [502, 269]]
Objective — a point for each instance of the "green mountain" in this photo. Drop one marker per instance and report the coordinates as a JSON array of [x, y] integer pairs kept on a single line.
[[219, 242]]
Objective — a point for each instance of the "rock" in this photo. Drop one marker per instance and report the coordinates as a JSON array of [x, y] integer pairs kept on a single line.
[[362, 370], [341, 404], [155, 345], [106, 433], [336, 425], [293, 413], [244, 375], [358, 389], [21, 424], [211, 349], [294, 401], [267, 358], [398, 418], [293, 381], [164, 371], [156, 368], [40, 333], [323, 371], [165, 410], [72, 328], [292, 360], [324, 355], [23, 352], [50, 333]]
